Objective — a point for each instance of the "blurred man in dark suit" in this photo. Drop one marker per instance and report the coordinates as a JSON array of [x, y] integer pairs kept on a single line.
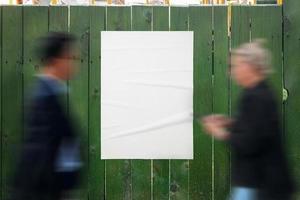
[[50, 159]]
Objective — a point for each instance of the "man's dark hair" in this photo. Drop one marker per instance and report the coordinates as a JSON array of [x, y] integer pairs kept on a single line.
[[53, 45]]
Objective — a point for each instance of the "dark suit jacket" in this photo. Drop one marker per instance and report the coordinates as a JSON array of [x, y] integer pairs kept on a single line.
[[47, 126]]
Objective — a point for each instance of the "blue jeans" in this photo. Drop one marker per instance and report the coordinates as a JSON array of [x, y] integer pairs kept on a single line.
[[243, 193]]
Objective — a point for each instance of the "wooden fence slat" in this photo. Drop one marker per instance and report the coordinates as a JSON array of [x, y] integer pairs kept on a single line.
[[35, 25], [142, 18], [1, 102], [221, 100], [179, 168], [240, 25], [240, 33], [200, 181], [292, 83], [118, 172], [160, 168], [141, 169], [79, 86], [160, 18], [96, 165], [12, 92], [179, 20], [58, 18], [266, 23]]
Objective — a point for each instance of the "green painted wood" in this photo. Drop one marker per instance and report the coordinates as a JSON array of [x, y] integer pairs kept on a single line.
[[240, 25], [118, 172], [58, 18], [35, 25], [292, 83], [118, 18], [266, 23], [221, 100], [96, 165], [200, 179], [179, 20], [240, 33], [141, 18], [79, 86], [141, 169], [1, 102], [12, 92], [179, 174], [160, 18], [160, 168]]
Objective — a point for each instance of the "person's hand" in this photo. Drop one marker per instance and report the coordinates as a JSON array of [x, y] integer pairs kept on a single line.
[[215, 125], [211, 124], [220, 120]]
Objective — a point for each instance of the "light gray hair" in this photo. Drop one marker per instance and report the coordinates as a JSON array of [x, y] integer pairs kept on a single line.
[[255, 54]]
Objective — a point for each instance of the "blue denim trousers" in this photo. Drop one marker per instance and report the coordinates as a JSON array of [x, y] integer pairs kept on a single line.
[[243, 193]]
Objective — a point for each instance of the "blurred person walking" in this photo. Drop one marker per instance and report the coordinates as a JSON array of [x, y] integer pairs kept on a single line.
[[259, 164], [50, 158]]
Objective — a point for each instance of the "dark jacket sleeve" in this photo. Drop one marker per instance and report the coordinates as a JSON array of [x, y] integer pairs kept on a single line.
[[250, 130]]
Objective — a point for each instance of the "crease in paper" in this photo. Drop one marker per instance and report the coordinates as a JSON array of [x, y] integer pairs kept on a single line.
[[173, 120]]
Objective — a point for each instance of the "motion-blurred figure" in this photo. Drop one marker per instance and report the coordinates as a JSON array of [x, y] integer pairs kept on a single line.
[[50, 158], [259, 166]]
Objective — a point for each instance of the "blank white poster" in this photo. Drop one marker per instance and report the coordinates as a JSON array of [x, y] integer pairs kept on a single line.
[[146, 95]]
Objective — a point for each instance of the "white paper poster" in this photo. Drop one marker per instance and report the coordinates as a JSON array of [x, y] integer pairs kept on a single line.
[[146, 95]]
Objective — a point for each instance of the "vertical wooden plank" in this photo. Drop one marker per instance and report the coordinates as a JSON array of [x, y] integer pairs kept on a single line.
[[58, 18], [266, 23], [79, 86], [58, 22], [96, 165], [12, 90], [118, 172], [160, 168], [35, 25], [292, 83], [240, 33], [141, 18], [221, 100], [179, 20], [1, 101], [179, 169], [160, 18], [200, 179], [141, 169]]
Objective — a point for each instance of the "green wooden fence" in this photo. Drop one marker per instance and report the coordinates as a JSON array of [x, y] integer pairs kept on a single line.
[[291, 38], [208, 175]]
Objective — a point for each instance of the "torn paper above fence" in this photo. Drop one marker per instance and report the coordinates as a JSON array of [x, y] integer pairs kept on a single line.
[[146, 95]]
